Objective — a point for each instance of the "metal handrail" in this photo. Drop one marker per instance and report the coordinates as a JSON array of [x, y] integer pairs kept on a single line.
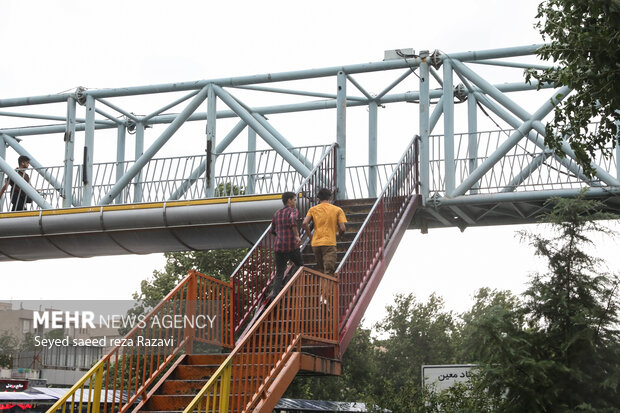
[[252, 277], [368, 246], [305, 308], [128, 371]]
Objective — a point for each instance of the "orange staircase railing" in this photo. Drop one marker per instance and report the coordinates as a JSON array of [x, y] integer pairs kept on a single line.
[[362, 267], [127, 372], [304, 309], [254, 274]]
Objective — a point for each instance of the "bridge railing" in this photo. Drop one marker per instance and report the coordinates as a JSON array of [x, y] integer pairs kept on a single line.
[[305, 308], [197, 310], [253, 276], [526, 167], [180, 177], [368, 247], [360, 181]]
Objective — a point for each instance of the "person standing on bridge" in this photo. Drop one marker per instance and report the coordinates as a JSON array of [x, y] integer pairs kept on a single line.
[[284, 228], [18, 197], [328, 220]]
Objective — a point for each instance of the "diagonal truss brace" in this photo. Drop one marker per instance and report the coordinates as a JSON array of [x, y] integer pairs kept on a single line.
[[23, 185], [155, 147], [248, 118], [524, 115], [12, 142]]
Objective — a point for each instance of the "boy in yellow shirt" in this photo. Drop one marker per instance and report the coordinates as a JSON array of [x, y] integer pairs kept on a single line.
[[328, 219]]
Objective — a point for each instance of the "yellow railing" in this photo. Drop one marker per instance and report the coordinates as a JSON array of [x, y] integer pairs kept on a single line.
[[128, 371], [305, 309]]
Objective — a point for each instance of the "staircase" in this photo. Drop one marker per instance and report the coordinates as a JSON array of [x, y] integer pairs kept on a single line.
[[356, 211], [306, 328]]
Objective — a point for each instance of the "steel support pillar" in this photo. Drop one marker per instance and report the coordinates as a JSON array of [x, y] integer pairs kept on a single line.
[[67, 186], [472, 144], [251, 168], [372, 148], [121, 133], [89, 147], [3, 157], [341, 135], [211, 142], [448, 127], [139, 151], [424, 108]]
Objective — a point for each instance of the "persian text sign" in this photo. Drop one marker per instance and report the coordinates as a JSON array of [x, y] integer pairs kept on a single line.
[[443, 376]]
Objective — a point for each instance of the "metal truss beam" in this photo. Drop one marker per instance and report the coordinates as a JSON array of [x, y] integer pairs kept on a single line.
[[154, 148]]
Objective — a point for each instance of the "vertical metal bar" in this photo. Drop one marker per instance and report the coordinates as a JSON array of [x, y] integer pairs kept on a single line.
[[3, 157], [448, 126], [211, 156], [139, 151], [617, 150], [251, 168], [424, 127], [341, 135], [69, 154], [89, 147], [472, 146], [372, 149], [120, 158]]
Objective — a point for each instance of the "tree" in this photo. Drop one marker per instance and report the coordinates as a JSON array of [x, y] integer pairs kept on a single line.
[[218, 264], [8, 345], [413, 334], [559, 350], [356, 382], [584, 41]]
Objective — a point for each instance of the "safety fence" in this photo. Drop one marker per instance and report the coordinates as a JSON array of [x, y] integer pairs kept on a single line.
[[305, 308], [526, 166], [196, 311], [172, 178], [252, 277], [368, 247]]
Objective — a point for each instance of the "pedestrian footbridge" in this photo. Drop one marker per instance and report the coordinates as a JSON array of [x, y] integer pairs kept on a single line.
[[450, 174]]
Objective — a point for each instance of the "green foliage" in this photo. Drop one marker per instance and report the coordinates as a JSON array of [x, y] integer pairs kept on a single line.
[[8, 345], [354, 384], [584, 39], [228, 189], [412, 334], [559, 350], [219, 264]]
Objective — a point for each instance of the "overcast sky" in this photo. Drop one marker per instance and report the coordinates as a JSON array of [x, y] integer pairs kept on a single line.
[[55, 46]]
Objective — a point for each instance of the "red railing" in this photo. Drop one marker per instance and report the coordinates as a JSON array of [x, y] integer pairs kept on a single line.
[[195, 311], [368, 248], [304, 309], [253, 276]]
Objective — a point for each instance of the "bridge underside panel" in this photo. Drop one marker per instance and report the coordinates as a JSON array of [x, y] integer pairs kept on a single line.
[[479, 212], [136, 229]]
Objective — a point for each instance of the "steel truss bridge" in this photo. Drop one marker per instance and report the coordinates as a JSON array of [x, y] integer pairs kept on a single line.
[[106, 180]]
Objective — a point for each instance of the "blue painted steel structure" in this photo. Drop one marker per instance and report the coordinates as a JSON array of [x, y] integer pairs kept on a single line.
[[468, 176]]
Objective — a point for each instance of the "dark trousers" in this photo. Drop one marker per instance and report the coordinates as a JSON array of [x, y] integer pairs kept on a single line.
[[326, 258], [18, 201], [282, 259]]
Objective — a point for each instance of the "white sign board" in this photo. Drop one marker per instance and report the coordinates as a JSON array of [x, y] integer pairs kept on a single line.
[[443, 376]]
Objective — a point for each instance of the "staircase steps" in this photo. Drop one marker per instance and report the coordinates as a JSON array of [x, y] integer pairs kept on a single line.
[[317, 357], [356, 211]]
